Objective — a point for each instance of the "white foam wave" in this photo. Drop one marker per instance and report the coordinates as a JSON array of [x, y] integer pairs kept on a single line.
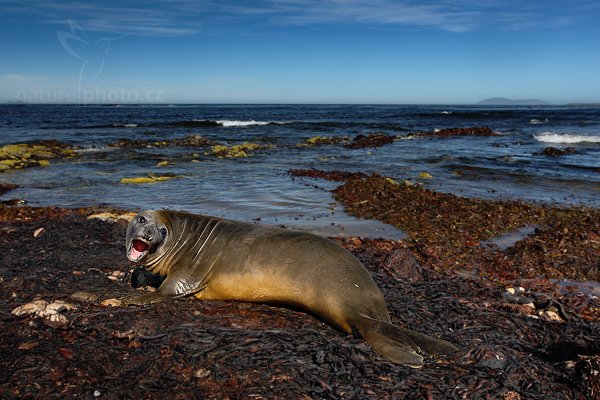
[[446, 112], [125, 125], [553, 137], [538, 122], [228, 123]]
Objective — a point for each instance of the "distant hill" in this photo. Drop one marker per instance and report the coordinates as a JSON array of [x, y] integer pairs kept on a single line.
[[501, 101]]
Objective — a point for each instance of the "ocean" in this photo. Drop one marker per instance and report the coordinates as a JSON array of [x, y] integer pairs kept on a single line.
[[258, 187]]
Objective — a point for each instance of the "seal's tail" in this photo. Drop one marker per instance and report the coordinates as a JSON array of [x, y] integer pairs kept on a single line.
[[401, 345]]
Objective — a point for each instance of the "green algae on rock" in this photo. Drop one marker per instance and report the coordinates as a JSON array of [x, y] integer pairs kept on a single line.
[[188, 141], [150, 178], [236, 151], [321, 140], [37, 154]]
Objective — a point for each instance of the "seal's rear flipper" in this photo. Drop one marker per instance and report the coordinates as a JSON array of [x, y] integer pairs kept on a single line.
[[401, 345]]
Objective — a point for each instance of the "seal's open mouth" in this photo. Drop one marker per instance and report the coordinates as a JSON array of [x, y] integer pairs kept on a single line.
[[138, 249]]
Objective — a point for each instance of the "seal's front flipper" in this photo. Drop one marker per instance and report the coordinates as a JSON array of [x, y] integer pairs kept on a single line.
[[174, 286], [142, 277], [400, 345]]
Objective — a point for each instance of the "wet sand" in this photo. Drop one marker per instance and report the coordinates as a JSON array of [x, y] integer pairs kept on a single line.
[[443, 279]]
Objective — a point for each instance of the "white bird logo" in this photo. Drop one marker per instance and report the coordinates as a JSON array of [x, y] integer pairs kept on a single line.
[[91, 54]]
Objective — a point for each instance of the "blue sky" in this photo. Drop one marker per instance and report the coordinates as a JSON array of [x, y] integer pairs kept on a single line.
[[299, 51]]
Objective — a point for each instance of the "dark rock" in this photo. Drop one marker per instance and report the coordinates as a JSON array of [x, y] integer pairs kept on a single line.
[[450, 132], [554, 152], [336, 176], [372, 140], [7, 187]]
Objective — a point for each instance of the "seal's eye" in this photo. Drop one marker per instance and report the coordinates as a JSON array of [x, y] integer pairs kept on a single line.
[[142, 220], [163, 232]]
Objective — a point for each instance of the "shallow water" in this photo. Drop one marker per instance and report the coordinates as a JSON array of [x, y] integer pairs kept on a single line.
[[259, 187]]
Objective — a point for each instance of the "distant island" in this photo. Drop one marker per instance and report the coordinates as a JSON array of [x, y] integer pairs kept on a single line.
[[501, 101]]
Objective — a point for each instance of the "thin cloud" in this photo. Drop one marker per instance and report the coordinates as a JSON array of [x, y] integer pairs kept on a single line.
[[187, 17], [22, 78]]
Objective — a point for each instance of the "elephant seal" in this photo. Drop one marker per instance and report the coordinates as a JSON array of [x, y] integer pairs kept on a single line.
[[218, 259]]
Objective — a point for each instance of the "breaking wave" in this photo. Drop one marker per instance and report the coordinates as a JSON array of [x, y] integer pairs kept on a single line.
[[553, 137], [228, 123]]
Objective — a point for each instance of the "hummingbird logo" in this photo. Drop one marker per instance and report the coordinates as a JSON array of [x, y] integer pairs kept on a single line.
[[91, 54]]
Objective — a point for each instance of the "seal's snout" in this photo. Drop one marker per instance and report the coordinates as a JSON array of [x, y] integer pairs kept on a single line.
[[143, 236]]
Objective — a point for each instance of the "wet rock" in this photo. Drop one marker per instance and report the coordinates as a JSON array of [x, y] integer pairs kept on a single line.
[[13, 202], [555, 152], [451, 132], [371, 140], [85, 297], [337, 176], [7, 187]]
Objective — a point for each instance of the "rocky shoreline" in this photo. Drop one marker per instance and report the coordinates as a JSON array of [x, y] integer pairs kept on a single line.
[[522, 332]]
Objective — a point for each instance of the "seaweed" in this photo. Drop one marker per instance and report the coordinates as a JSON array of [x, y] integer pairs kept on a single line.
[[371, 140], [150, 178], [207, 349], [35, 154], [237, 151]]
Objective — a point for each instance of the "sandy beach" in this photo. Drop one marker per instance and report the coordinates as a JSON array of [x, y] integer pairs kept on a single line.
[[523, 311]]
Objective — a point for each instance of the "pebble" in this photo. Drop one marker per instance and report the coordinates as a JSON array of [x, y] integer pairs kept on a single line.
[[112, 217], [551, 315], [202, 373], [116, 275], [58, 319], [85, 297], [112, 303], [51, 312], [38, 232], [30, 308], [60, 306]]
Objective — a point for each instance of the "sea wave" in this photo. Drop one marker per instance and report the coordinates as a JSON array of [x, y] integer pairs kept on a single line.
[[229, 123], [535, 121], [125, 125], [553, 137]]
